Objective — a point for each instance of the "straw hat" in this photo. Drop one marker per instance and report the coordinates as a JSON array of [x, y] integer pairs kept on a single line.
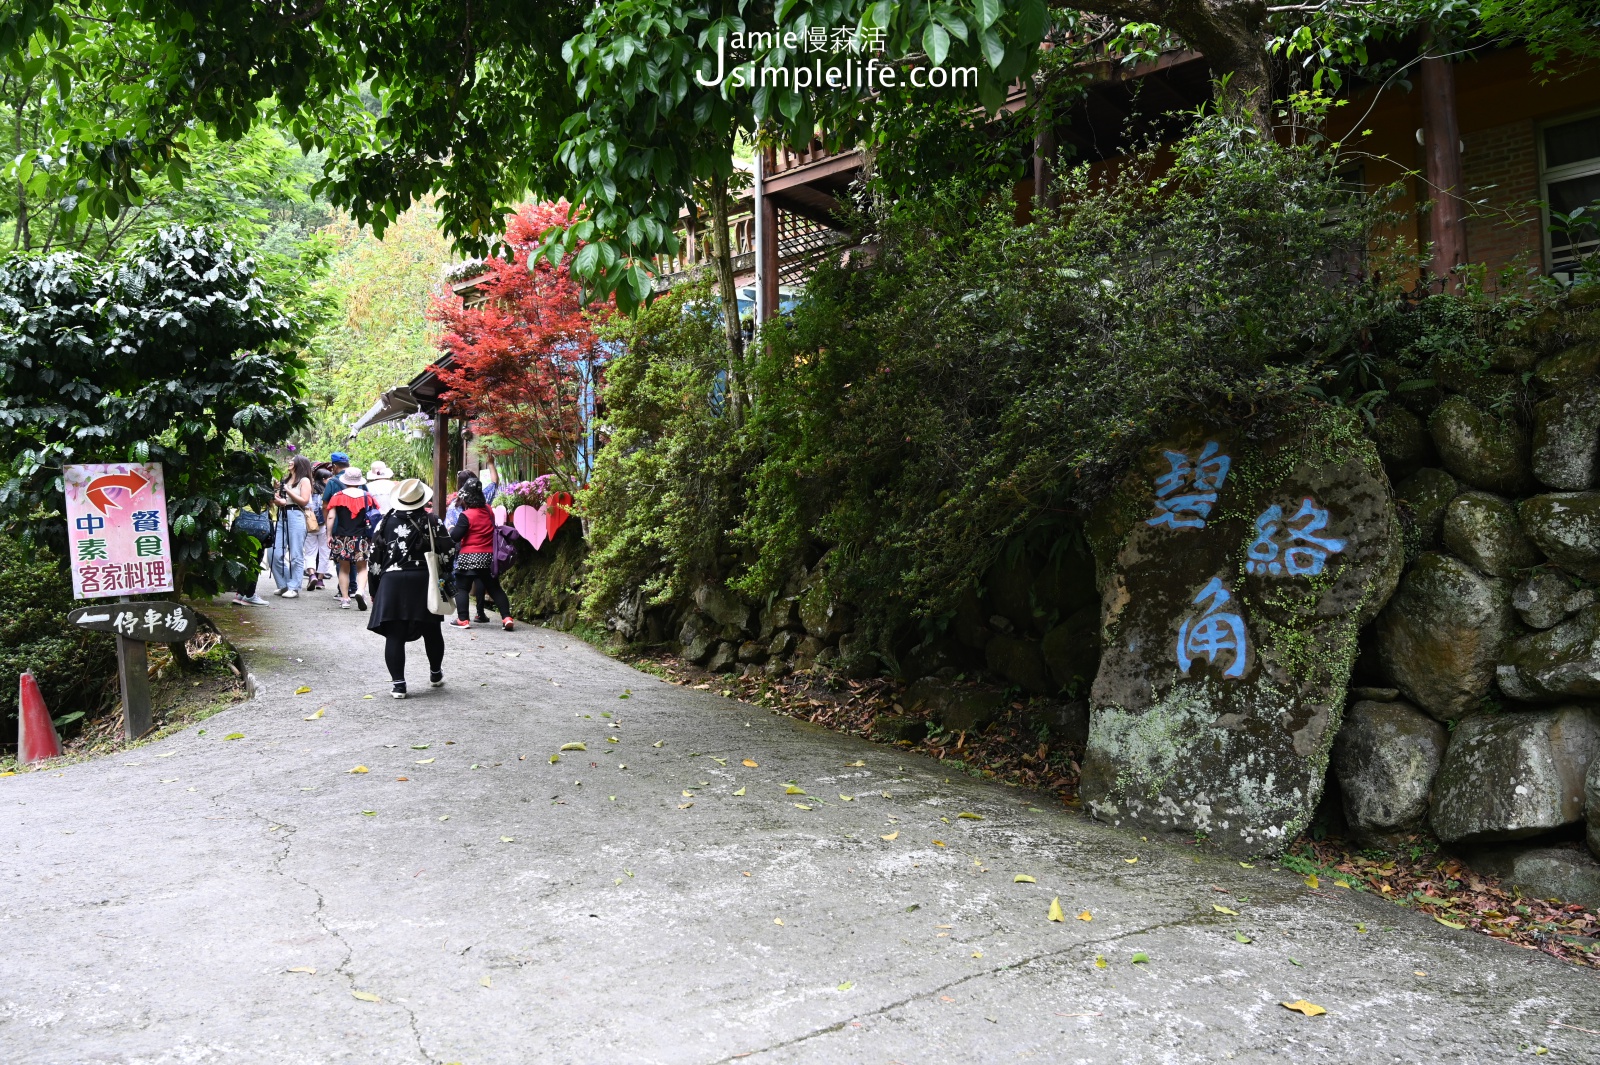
[[380, 471], [411, 494]]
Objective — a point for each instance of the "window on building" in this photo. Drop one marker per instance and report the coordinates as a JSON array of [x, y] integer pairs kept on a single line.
[[1571, 166]]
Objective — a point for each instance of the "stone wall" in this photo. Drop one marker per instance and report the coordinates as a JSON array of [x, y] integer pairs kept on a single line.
[[1480, 717]]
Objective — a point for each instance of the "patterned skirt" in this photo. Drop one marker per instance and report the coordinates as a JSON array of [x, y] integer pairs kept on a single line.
[[349, 548], [474, 562]]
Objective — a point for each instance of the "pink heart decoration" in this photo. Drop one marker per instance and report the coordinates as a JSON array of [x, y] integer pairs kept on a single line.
[[499, 514], [530, 524]]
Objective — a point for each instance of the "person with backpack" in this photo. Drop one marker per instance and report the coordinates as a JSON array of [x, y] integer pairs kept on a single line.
[[352, 513], [474, 533], [408, 541]]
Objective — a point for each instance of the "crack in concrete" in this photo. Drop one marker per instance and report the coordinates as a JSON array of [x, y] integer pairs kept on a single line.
[[319, 915], [1009, 967]]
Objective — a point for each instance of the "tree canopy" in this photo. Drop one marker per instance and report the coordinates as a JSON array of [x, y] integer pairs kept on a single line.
[[608, 106]]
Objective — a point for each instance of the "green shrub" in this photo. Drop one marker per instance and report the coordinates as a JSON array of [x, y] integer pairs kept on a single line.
[[76, 670], [919, 413], [667, 485]]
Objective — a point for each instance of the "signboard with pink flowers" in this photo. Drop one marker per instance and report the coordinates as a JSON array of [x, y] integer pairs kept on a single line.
[[117, 529]]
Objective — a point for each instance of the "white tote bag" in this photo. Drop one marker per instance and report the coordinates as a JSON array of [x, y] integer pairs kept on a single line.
[[431, 557]]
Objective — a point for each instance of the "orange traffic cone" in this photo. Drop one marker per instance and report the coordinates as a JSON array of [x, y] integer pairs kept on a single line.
[[36, 733]]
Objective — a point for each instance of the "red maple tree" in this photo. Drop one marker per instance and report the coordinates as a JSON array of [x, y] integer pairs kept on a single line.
[[526, 364]]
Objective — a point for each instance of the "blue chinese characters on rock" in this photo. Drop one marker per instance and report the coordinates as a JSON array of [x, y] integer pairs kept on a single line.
[[1214, 633], [1292, 547], [1186, 493]]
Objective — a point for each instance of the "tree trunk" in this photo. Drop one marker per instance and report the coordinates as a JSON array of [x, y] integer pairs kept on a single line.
[[722, 252], [1229, 33]]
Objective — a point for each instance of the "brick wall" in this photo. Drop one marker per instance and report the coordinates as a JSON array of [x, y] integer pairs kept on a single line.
[[1501, 168]]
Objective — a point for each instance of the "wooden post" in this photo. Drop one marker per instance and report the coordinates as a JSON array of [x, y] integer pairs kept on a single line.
[[1441, 142], [441, 460], [133, 673], [766, 247]]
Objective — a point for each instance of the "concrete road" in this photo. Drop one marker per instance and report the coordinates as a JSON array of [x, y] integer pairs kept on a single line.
[[658, 899]]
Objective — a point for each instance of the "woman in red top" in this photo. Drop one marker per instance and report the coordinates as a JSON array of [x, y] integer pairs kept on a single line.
[[474, 536]]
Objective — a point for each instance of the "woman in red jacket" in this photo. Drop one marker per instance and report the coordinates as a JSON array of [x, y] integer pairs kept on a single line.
[[474, 534]]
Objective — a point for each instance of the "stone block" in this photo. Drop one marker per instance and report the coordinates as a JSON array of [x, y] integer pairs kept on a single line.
[[783, 613], [824, 618], [1480, 449], [957, 708], [1071, 650], [722, 606], [698, 637], [1591, 806], [1514, 775], [782, 644], [897, 728], [1385, 758], [1546, 599], [1574, 367], [1566, 438], [1019, 661], [1238, 575], [1441, 636], [1428, 493], [1559, 663], [1403, 442], [1540, 870], [752, 651], [1482, 529], [1566, 527], [725, 659]]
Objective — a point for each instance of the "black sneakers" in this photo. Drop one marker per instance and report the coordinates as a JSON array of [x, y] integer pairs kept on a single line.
[[399, 690], [436, 678]]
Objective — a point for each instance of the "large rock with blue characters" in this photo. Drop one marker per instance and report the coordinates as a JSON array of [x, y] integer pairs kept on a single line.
[[1235, 576]]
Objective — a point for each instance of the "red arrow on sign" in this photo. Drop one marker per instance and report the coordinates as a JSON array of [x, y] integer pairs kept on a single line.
[[131, 482]]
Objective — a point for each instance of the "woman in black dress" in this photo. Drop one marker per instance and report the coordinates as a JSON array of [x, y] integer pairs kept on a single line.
[[399, 577]]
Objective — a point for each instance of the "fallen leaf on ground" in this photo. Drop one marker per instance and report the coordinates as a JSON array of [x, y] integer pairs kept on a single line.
[[847, 985], [659, 743], [1418, 972], [420, 746], [792, 790], [554, 758], [1099, 961], [777, 920], [800, 806], [1023, 878], [751, 762], [1085, 916], [688, 795], [1240, 937], [397, 779], [855, 765], [302, 969], [891, 837], [970, 816], [446, 817], [1140, 958], [316, 716], [1313, 882], [425, 761], [1361, 928], [485, 981], [513, 654], [302, 690], [1055, 913], [234, 736], [366, 996], [366, 697], [1449, 924], [977, 954], [507, 839], [613, 739], [369, 813], [1130, 861], [1295, 961], [1300, 1005], [1246, 865], [360, 769], [740, 792], [685, 805], [1224, 909], [573, 747]]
